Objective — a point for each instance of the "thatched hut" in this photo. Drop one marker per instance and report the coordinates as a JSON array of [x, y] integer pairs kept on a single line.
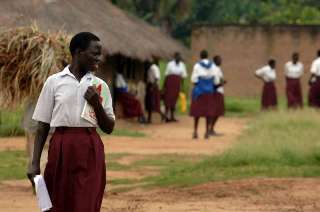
[[128, 42]]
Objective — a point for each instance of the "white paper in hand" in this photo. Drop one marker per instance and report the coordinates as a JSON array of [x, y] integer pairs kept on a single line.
[[42, 193]]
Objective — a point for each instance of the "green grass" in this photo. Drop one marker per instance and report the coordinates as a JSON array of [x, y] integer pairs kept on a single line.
[[10, 123], [159, 162], [13, 165], [128, 133], [167, 160], [280, 144]]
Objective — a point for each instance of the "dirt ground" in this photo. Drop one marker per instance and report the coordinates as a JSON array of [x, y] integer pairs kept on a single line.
[[274, 195]]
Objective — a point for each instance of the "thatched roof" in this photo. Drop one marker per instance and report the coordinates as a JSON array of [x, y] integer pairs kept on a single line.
[[120, 32]]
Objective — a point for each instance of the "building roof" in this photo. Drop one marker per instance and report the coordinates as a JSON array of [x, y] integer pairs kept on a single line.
[[120, 33]]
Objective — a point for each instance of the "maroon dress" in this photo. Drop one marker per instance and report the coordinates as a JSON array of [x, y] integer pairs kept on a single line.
[[131, 106], [219, 106], [294, 93], [314, 94], [269, 96], [171, 90], [75, 174], [153, 96]]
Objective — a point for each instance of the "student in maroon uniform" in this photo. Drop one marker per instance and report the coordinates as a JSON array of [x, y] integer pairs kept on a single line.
[[175, 73], [218, 97], [293, 72], [269, 94], [75, 174], [314, 82], [130, 104], [153, 95], [202, 102]]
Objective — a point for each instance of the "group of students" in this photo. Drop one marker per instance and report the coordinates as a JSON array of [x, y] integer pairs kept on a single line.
[[175, 73], [293, 72]]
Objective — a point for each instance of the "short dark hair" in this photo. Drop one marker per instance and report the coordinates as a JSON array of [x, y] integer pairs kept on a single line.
[[294, 54], [216, 58], [82, 41], [204, 54], [318, 53], [272, 62]]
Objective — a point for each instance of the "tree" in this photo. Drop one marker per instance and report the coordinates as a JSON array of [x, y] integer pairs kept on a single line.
[[177, 17]]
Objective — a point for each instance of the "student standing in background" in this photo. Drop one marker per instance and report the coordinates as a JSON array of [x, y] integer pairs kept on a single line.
[[218, 97], [293, 73], [269, 94], [202, 102], [314, 82], [175, 73]]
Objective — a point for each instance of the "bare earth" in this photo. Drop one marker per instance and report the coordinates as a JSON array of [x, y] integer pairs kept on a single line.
[[274, 195]]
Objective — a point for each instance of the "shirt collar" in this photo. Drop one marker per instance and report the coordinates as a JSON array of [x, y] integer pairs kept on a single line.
[[66, 71]]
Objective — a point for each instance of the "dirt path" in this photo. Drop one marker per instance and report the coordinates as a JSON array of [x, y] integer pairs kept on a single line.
[[265, 195], [274, 195], [257, 195], [161, 138]]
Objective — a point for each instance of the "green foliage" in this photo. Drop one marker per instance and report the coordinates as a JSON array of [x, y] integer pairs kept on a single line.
[[178, 16], [279, 144]]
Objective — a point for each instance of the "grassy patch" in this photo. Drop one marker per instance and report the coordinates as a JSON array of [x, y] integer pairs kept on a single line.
[[242, 106], [13, 165], [10, 123], [122, 181], [281, 144], [167, 160], [128, 133]]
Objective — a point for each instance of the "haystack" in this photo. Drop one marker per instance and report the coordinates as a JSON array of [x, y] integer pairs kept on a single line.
[[27, 57]]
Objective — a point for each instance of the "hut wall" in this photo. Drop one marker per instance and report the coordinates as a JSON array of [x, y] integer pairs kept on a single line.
[[247, 48]]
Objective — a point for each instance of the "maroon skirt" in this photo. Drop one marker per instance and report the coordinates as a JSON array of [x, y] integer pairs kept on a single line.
[[269, 96], [131, 106], [152, 100], [172, 85], [75, 174], [202, 106], [219, 108], [314, 94], [294, 93]]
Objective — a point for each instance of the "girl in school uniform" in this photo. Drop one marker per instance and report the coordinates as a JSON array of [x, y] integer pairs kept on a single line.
[[175, 73], [269, 94], [130, 104], [314, 82], [75, 173], [293, 73], [202, 102], [153, 96], [218, 97]]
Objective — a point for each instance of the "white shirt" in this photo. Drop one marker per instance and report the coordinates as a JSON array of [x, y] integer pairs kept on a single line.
[[267, 73], [176, 69], [293, 71], [61, 100], [219, 78], [120, 82], [315, 67], [199, 71], [153, 73]]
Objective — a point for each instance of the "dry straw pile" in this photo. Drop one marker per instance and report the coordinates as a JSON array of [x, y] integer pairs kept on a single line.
[[27, 57]]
